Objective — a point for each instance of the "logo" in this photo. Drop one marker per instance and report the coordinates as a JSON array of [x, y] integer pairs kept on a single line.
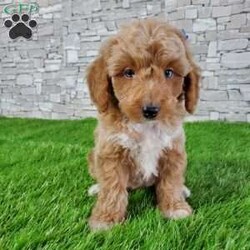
[[20, 24]]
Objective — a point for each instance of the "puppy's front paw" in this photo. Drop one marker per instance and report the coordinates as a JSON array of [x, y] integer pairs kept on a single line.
[[103, 223], [96, 225], [180, 211]]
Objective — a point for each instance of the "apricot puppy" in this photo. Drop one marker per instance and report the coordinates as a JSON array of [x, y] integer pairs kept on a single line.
[[143, 83]]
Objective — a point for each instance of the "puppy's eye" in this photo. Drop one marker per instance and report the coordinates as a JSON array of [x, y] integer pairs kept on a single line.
[[128, 73], [168, 73]]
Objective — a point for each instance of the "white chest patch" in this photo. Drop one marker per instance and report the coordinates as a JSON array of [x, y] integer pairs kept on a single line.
[[147, 147]]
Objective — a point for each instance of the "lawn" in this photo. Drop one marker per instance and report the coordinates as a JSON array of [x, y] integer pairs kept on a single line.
[[44, 182]]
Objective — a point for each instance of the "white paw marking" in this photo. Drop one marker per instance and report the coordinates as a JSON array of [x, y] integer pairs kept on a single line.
[[186, 192], [177, 214], [94, 189], [99, 225]]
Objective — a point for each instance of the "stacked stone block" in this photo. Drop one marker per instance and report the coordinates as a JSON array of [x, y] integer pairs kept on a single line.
[[45, 77], [219, 35]]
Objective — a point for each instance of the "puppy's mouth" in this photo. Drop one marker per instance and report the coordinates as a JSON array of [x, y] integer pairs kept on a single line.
[[145, 113]]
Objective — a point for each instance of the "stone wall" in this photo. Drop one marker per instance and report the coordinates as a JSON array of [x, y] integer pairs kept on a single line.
[[44, 77]]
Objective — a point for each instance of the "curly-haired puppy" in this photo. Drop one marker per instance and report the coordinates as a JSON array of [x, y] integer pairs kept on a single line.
[[142, 83]]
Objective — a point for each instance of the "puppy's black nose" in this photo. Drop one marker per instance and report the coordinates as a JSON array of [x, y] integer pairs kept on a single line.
[[150, 111]]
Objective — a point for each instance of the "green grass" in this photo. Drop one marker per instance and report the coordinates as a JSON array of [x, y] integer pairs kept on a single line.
[[44, 182]]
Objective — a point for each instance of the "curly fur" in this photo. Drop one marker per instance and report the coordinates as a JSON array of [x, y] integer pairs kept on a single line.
[[131, 151]]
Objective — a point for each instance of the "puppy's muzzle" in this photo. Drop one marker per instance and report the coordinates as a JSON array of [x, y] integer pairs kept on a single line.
[[150, 111]]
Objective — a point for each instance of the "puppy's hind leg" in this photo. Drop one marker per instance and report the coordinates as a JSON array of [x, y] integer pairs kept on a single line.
[[186, 192], [95, 188], [91, 163]]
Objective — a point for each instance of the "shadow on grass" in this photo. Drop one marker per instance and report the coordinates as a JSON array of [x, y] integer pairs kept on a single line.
[[141, 201]]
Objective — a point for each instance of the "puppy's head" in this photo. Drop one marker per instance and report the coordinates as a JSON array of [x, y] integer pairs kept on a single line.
[[146, 72]]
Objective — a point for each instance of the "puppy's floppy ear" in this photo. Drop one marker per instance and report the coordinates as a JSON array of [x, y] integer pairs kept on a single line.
[[98, 80], [192, 88]]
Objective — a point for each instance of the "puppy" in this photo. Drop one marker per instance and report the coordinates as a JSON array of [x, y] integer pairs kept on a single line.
[[142, 83]]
